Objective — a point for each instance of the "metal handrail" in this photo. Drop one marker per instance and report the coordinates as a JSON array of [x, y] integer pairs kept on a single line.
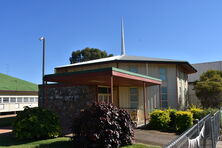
[[176, 140]]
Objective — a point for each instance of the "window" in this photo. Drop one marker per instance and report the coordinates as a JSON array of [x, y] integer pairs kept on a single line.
[[103, 90], [19, 99], [36, 99], [13, 100], [31, 99], [133, 68], [0, 100], [164, 99], [134, 95], [26, 99], [5, 100], [104, 94], [163, 74]]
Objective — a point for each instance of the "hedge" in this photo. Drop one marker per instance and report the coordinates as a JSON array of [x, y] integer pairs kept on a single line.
[[36, 123], [198, 113], [184, 120], [160, 120]]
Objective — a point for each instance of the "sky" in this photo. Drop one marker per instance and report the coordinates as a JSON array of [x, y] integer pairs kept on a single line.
[[189, 30]]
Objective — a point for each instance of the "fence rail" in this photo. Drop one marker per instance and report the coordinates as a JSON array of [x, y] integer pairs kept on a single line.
[[204, 134]]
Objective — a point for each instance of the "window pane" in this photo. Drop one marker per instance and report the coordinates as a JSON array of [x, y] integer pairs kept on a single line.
[[133, 91], [164, 90], [31, 99], [26, 99], [100, 99], [13, 100], [103, 90], [0, 100], [36, 99], [133, 69], [164, 97], [134, 97], [163, 70], [19, 99], [105, 99], [5, 100], [163, 74], [134, 104]]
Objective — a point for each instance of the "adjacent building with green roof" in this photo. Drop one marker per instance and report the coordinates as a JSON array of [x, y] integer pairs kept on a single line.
[[16, 93]]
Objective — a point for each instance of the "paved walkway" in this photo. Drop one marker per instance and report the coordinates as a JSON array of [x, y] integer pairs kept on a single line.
[[153, 137], [219, 144], [5, 130], [6, 116]]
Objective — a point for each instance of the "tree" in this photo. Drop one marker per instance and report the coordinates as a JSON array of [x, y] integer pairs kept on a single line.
[[88, 54], [209, 89]]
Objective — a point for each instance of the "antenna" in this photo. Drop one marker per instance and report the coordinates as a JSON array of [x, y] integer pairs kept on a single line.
[[123, 50]]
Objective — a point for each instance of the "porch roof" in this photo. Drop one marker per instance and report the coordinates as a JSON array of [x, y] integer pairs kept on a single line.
[[102, 77]]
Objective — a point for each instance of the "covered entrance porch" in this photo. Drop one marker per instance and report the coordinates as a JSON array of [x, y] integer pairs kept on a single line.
[[111, 87]]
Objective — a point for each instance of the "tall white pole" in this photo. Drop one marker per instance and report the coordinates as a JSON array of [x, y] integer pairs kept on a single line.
[[123, 50]]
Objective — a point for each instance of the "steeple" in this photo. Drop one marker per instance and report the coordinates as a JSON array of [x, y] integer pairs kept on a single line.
[[123, 50]]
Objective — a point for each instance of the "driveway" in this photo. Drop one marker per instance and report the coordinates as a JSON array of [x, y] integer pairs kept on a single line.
[[153, 137]]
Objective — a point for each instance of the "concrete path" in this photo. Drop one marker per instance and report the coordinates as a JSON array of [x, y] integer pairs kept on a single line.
[[6, 116], [219, 144], [5, 130], [153, 137]]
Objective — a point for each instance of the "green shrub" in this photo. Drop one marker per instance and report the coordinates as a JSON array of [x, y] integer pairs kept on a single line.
[[159, 120], [210, 111], [103, 125], [197, 112], [184, 120], [172, 123], [35, 123]]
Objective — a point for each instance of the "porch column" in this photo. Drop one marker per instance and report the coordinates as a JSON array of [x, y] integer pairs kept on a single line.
[[160, 99], [144, 101], [111, 88]]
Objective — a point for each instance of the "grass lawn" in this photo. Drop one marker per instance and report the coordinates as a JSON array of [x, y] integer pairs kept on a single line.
[[64, 142]]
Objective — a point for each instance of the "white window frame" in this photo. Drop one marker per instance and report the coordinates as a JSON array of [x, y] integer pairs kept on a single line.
[[104, 97]]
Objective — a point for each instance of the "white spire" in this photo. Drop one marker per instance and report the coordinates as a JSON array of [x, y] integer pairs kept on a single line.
[[123, 50]]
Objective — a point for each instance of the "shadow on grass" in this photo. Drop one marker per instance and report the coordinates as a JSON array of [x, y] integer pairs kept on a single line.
[[57, 144], [6, 121], [9, 140]]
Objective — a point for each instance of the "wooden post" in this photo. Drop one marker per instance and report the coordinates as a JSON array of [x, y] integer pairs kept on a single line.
[[144, 101], [160, 97], [111, 88], [118, 95]]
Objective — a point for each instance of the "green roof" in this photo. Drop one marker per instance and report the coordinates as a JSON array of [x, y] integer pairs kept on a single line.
[[104, 69], [11, 83]]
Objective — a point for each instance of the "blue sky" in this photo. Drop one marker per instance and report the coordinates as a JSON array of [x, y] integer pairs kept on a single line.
[[188, 30]]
